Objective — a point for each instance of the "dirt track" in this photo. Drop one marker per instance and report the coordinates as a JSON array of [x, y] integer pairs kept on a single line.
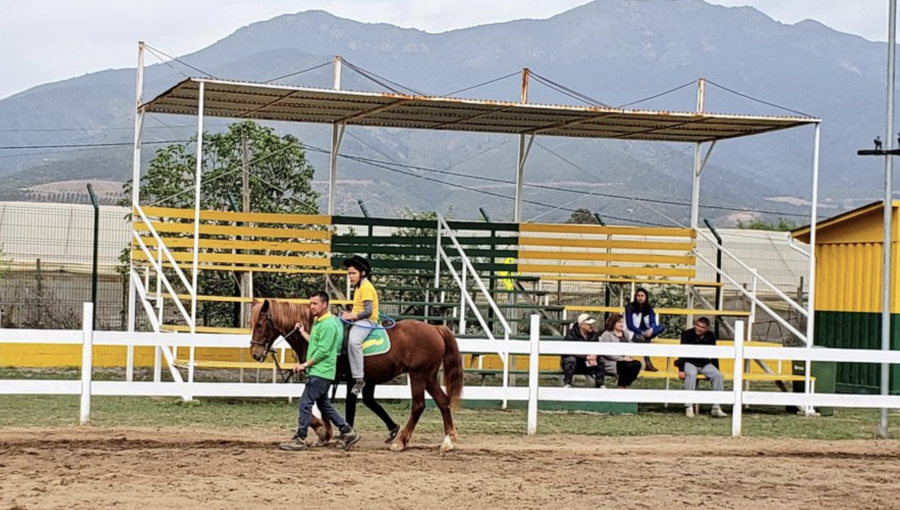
[[147, 469]]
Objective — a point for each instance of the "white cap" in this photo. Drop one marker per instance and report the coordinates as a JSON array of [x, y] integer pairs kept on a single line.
[[586, 319]]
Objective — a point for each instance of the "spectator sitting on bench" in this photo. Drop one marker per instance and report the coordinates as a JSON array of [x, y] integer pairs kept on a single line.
[[688, 368], [624, 367], [581, 331], [641, 322]]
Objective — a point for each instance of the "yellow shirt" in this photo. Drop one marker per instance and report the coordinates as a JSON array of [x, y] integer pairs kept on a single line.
[[366, 292]]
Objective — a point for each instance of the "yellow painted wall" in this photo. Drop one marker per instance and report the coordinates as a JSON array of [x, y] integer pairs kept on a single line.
[[45, 355], [849, 276]]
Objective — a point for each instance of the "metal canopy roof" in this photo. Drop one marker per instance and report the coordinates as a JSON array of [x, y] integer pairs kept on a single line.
[[245, 100]]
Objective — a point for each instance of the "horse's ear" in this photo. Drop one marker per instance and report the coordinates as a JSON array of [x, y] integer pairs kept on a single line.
[[265, 306]]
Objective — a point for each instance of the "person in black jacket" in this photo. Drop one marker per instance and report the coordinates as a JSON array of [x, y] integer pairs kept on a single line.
[[582, 331], [688, 368]]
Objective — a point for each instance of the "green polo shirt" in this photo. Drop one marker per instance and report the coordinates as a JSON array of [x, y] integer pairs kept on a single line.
[[325, 341]]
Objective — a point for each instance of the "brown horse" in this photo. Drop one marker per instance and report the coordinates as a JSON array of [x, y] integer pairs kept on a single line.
[[417, 348]]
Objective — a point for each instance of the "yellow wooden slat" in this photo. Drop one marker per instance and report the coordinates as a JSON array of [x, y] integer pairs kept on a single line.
[[261, 269], [562, 228], [607, 257], [228, 244], [188, 214], [607, 270], [227, 230], [237, 299], [241, 259], [661, 311], [248, 365], [606, 244], [205, 329], [640, 281], [728, 376]]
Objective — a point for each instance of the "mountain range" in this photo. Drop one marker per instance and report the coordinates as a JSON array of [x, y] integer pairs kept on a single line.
[[614, 52]]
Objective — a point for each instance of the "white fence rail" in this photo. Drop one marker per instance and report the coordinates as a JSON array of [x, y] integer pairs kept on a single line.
[[533, 393]]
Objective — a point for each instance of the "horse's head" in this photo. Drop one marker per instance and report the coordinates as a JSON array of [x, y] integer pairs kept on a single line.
[[263, 331], [271, 319]]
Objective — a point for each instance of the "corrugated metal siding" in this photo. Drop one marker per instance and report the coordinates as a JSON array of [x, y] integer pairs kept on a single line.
[[856, 330], [849, 278]]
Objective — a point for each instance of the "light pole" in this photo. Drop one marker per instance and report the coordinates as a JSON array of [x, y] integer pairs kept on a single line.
[[888, 154]]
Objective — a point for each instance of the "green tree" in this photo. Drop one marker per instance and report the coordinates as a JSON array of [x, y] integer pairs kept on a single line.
[[280, 182], [583, 216], [783, 225]]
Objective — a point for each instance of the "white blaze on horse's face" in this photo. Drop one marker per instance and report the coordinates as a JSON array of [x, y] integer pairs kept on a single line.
[[260, 336]]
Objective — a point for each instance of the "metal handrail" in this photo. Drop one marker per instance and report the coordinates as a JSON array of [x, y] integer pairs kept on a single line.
[[442, 224], [755, 299], [162, 247], [777, 291], [162, 277]]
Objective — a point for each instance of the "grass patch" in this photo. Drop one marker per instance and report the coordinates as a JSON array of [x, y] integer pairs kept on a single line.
[[279, 415]]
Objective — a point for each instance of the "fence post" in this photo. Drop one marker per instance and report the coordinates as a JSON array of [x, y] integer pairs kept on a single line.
[[87, 331], [533, 373], [738, 408]]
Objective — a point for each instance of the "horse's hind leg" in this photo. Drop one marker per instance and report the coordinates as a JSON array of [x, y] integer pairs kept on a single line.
[[443, 403], [323, 430], [418, 406], [368, 394]]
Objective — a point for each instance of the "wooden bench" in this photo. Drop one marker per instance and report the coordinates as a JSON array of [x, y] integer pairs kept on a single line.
[[661, 311], [238, 299], [629, 281]]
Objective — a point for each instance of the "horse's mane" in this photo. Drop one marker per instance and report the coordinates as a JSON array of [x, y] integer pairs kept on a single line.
[[284, 314]]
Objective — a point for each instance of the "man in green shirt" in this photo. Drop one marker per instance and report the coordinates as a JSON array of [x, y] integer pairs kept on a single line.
[[321, 365]]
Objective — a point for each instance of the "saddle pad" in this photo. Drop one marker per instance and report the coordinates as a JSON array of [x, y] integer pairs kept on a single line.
[[378, 342]]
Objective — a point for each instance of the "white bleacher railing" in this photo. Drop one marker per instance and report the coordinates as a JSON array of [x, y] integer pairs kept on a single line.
[[752, 294], [466, 301], [155, 316], [533, 393]]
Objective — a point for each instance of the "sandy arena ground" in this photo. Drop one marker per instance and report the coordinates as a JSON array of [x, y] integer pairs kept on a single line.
[[93, 468]]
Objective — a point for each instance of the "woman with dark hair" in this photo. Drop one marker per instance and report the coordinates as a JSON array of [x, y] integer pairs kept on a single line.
[[624, 367], [640, 320]]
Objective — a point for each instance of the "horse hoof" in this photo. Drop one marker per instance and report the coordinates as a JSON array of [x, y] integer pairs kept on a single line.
[[397, 446], [447, 445]]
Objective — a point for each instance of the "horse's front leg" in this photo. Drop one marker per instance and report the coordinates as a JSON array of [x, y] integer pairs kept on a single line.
[[418, 407]]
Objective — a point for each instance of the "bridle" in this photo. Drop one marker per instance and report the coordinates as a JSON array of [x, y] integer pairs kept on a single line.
[[286, 375]]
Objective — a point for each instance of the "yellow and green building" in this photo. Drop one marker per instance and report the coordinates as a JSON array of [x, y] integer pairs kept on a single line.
[[848, 291]]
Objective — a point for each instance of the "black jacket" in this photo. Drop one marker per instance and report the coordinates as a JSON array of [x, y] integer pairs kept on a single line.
[[574, 335], [690, 337]]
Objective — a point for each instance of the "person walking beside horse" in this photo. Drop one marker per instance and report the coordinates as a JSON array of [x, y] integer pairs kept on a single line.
[[321, 366]]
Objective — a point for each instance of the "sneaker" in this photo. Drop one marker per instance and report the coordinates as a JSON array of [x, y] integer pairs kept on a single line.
[[567, 385], [717, 413], [349, 439], [689, 411], [296, 444], [392, 435], [357, 386]]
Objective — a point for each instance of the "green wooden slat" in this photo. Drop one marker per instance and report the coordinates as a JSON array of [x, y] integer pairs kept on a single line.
[[426, 224], [340, 241], [421, 251]]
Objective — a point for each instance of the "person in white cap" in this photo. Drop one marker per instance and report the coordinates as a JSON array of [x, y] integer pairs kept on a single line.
[[582, 331]]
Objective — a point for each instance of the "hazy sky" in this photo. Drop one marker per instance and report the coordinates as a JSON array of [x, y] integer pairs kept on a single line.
[[50, 40]]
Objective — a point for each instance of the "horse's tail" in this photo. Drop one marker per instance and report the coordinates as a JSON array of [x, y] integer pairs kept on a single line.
[[453, 366]]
